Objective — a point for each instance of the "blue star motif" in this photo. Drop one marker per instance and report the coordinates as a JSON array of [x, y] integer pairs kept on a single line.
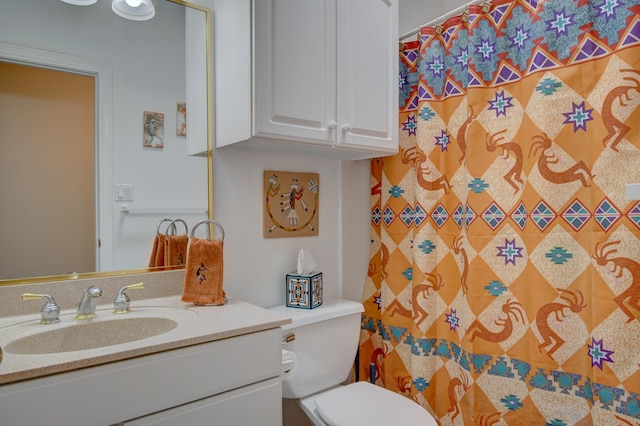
[[598, 353], [443, 140], [428, 67], [437, 66], [611, 18], [463, 58], [410, 125], [458, 58], [485, 49], [560, 23], [452, 320], [500, 103], [578, 117], [509, 251], [521, 36], [378, 301], [402, 81], [608, 9]]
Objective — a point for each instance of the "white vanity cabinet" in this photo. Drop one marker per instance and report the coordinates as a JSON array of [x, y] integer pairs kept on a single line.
[[231, 381], [320, 74]]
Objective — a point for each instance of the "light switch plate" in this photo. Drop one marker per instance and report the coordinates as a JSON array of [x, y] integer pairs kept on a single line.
[[124, 192]]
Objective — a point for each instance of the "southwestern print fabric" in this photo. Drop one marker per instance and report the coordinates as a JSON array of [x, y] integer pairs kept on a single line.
[[504, 282]]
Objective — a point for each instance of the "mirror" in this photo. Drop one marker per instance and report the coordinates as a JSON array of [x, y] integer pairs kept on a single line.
[[138, 67]]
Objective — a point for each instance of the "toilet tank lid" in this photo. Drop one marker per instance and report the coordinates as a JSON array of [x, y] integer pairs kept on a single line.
[[330, 308]]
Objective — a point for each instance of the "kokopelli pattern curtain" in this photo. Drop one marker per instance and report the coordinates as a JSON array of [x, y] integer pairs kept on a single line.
[[504, 282]]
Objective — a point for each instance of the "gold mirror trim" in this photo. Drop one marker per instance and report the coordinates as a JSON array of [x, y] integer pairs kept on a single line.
[[31, 280]]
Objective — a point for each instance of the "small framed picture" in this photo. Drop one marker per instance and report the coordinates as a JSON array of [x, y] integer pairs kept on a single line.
[[153, 130], [181, 119]]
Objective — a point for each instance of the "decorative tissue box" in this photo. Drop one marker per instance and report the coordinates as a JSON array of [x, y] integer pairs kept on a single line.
[[304, 291]]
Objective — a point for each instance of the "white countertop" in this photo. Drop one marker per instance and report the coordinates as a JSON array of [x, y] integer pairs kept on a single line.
[[196, 324]]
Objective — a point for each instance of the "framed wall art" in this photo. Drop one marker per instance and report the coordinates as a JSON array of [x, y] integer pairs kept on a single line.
[[153, 130], [291, 204], [181, 119]]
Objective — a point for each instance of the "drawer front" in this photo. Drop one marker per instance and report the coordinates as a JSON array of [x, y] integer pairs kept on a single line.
[[256, 404]]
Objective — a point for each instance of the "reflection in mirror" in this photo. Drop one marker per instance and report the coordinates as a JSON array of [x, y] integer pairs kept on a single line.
[[130, 68]]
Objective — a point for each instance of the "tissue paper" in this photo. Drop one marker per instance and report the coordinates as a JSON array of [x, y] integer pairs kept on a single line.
[[306, 263]]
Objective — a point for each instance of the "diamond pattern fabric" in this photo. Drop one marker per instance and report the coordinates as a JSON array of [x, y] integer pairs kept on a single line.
[[504, 280]]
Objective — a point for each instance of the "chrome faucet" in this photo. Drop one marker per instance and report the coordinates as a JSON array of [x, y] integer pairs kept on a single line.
[[86, 308], [50, 311], [122, 301]]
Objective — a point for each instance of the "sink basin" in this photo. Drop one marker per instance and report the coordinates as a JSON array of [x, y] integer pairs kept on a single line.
[[90, 335]]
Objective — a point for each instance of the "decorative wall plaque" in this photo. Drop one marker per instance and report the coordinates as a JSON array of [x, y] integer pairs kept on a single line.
[[291, 204]]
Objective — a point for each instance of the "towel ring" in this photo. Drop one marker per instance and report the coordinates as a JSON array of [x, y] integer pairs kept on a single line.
[[172, 226], [210, 221], [166, 219]]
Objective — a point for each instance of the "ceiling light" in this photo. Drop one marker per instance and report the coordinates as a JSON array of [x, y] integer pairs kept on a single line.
[[80, 2], [136, 10]]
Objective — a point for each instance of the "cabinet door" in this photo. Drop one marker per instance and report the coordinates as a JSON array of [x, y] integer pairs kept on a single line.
[[257, 404], [368, 74], [295, 70]]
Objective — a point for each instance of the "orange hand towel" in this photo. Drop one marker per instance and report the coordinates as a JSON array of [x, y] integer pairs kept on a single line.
[[203, 275], [175, 250], [157, 252]]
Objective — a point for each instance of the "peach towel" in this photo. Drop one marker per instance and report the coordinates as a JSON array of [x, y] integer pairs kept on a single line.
[[157, 252], [203, 275], [175, 250]]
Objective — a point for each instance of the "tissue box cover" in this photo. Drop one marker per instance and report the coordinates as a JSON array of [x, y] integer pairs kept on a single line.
[[304, 290]]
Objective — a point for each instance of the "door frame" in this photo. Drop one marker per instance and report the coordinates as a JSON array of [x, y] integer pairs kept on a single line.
[[102, 73]]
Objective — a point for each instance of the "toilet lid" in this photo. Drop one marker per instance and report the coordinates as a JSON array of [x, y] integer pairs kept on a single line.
[[363, 403]]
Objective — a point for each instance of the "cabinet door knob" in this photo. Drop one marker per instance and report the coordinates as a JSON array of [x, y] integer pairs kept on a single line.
[[333, 124], [346, 127]]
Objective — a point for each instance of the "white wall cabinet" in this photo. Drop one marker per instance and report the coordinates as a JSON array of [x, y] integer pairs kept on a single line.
[[316, 74]]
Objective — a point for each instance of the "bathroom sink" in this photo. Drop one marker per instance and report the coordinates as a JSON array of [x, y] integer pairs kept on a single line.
[[90, 335]]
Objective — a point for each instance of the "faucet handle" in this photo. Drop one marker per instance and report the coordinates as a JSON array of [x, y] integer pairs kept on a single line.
[[50, 311], [122, 301], [86, 308]]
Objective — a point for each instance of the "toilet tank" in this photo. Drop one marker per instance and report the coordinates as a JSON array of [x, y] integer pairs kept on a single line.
[[326, 341]]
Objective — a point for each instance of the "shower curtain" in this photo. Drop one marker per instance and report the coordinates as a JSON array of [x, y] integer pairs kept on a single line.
[[504, 280]]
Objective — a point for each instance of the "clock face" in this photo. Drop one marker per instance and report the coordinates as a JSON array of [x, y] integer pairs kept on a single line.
[[290, 204]]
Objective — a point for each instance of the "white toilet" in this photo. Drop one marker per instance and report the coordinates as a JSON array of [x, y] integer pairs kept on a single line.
[[325, 340]]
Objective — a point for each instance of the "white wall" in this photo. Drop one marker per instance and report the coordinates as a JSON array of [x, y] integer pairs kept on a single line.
[[414, 13]]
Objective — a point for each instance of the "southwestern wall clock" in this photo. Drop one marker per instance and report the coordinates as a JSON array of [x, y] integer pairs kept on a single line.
[[290, 204]]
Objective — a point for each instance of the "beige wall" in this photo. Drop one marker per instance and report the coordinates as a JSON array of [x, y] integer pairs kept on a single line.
[[46, 125]]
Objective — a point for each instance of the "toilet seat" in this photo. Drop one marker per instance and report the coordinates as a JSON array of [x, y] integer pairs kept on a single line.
[[363, 403]]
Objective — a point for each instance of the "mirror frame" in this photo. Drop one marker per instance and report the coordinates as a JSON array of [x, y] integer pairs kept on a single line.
[[209, 85]]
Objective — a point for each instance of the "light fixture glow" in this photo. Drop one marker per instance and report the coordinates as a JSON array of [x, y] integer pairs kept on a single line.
[[80, 2], [142, 12]]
